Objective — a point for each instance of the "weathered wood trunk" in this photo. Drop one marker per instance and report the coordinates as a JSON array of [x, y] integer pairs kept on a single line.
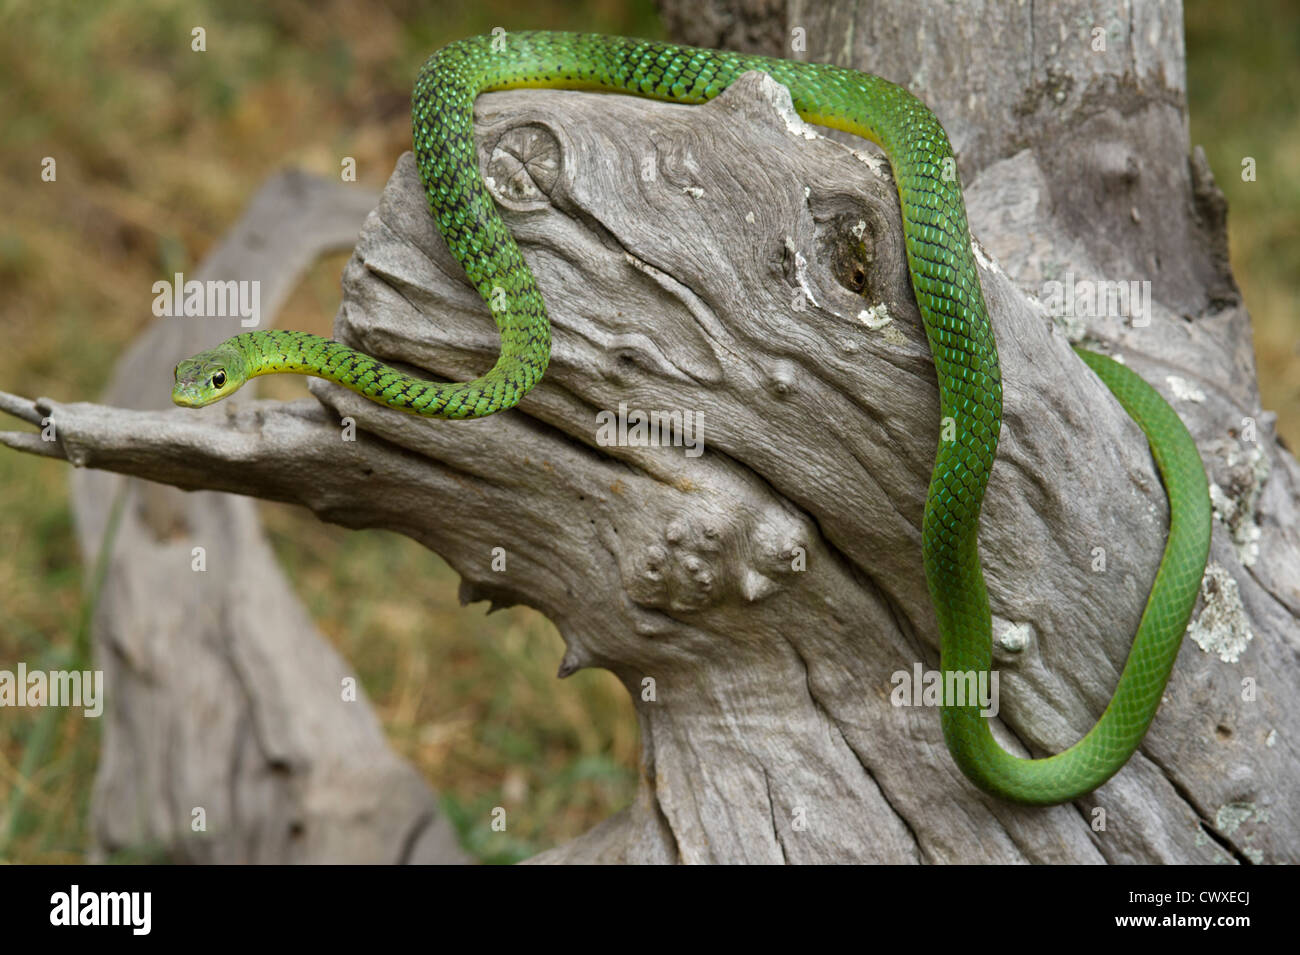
[[726, 264]]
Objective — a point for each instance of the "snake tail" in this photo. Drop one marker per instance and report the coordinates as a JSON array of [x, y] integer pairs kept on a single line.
[[1096, 757]]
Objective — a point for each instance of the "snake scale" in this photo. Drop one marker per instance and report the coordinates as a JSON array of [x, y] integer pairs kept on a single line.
[[947, 289]]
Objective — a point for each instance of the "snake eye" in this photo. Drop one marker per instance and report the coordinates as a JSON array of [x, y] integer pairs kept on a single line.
[[219, 379]]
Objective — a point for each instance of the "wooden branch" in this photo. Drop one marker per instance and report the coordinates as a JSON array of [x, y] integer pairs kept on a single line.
[[726, 263], [223, 695]]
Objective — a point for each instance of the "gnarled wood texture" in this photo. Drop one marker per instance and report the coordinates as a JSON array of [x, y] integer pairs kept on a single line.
[[726, 262]]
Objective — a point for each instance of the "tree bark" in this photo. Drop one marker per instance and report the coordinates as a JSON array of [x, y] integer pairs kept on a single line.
[[758, 600]]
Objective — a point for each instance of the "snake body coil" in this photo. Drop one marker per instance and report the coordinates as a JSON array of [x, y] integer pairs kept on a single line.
[[947, 289]]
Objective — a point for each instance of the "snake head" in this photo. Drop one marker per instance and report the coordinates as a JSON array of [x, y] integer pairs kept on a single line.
[[209, 376]]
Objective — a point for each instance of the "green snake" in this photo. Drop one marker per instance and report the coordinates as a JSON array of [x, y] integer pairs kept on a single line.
[[947, 289]]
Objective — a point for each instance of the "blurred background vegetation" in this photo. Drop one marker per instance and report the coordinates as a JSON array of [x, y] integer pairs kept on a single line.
[[158, 151]]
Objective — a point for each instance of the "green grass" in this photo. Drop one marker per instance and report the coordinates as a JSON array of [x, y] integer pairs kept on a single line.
[[158, 150]]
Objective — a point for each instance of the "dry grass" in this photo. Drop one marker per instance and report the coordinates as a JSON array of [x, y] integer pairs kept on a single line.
[[158, 149], [1244, 93]]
